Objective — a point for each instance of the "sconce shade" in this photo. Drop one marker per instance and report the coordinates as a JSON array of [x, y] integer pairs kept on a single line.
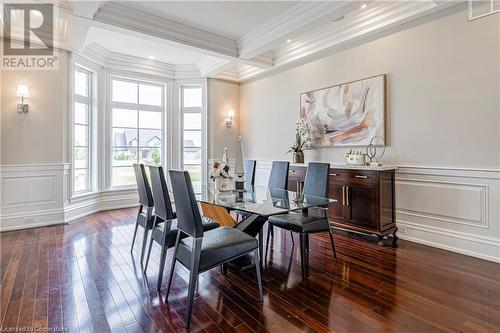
[[22, 90], [230, 113]]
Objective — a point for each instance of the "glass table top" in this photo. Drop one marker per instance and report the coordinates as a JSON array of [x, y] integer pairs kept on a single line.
[[261, 200]]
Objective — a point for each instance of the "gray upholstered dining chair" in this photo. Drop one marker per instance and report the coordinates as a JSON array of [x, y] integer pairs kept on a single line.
[[307, 221], [279, 175], [250, 166], [204, 250], [165, 224], [146, 206]]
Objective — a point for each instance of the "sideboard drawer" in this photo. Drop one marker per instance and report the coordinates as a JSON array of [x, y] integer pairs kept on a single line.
[[361, 177]]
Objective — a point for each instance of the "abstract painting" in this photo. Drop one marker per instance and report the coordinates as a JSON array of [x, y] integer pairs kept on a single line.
[[348, 114]]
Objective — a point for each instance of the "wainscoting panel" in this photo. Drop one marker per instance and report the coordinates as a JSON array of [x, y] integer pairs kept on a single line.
[[454, 209], [450, 208], [37, 195], [32, 195]]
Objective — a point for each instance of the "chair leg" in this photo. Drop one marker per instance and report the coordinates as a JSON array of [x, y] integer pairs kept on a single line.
[[258, 274], [333, 244], [148, 254], [269, 232], [303, 255], [291, 235], [193, 276], [223, 269], [135, 231], [133, 239], [163, 256], [144, 243], [172, 265]]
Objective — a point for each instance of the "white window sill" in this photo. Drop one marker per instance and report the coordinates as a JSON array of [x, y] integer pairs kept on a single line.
[[83, 195]]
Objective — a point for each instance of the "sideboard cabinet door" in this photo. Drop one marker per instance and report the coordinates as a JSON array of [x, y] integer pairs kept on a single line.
[[336, 209], [361, 206]]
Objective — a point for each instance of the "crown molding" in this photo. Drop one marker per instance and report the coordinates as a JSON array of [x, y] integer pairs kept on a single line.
[[118, 61], [381, 19], [230, 74], [212, 65], [359, 26], [290, 23]]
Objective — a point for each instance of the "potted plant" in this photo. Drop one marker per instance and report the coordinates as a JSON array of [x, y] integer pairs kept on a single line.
[[302, 142], [222, 176]]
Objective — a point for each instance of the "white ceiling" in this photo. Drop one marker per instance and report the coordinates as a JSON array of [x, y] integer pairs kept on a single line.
[[230, 19], [139, 47]]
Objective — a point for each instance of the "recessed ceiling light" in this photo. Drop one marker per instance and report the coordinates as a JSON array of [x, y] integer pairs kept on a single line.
[[152, 57], [363, 6], [288, 40]]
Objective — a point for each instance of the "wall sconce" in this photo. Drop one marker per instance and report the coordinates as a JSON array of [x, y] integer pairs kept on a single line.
[[22, 91], [229, 120]]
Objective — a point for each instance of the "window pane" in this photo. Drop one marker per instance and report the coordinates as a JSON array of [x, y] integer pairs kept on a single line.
[[124, 157], [192, 121], [150, 119], [124, 91], [81, 135], [192, 139], [150, 155], [195, 175], [125, 137], [150, 95], [81, 113], [124, 118], [192, 155], [81, 83], [81, 158], [192, 97], [149, 138], [81, 180], [123, 176]]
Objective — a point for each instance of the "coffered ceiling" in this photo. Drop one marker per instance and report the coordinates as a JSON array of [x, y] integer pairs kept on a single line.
[[234, 40]]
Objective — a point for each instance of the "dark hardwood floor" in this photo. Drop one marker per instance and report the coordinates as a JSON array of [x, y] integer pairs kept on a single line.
[[81, 277]]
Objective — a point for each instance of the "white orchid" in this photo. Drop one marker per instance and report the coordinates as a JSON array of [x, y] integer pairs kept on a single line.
[[302, 135]]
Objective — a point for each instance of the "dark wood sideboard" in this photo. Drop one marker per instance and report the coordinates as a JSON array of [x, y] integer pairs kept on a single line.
[[365, 199]]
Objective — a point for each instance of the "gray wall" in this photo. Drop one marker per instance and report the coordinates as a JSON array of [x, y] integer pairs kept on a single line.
[[36, 137], [222, 96], [443, 94]]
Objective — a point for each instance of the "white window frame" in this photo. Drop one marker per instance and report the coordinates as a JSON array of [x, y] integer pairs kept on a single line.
[[132, 106], [202, 109], [89, 101]]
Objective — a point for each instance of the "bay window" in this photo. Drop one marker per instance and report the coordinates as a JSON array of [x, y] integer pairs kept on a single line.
[[137, 113]]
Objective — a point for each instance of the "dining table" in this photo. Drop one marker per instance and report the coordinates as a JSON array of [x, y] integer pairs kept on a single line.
[[257, 203]]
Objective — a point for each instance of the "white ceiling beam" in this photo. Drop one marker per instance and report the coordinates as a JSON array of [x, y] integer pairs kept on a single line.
[[87, 9], [164, 29], [79, 29], [293, 22], [120, 18]]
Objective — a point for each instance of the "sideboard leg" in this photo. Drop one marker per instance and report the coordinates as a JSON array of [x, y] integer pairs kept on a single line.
[[394, 238], [380, 240]]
